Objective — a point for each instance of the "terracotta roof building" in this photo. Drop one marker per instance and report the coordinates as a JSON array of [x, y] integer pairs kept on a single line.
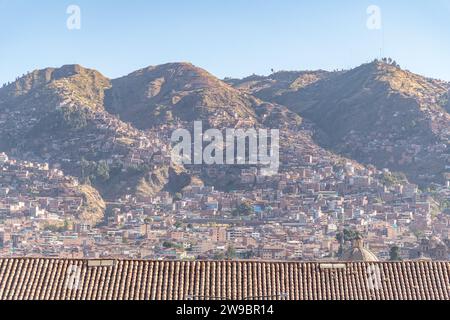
[[57, 279]]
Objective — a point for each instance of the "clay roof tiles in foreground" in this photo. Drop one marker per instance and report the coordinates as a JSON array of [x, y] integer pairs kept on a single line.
[[60, 279]]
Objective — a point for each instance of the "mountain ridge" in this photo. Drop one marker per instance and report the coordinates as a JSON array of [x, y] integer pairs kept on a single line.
[[375, 103], [377, 113], [176, 91]]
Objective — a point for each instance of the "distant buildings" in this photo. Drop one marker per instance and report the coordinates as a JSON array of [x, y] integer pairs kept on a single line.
[[294, 215]]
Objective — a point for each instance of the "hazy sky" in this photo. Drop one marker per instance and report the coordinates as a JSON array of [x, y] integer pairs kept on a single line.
[[228, 38]]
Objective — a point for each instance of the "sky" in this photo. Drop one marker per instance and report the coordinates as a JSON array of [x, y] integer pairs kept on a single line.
[[232, 38]]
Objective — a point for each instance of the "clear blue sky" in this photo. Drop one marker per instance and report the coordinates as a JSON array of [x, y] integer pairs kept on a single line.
[[228, 38]]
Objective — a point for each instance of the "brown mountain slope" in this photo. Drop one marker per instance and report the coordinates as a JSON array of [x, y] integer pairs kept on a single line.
[[44, 99], [70, 84], [57, 116], [380, 114], [279, 83], [376, 113], [178, 91]]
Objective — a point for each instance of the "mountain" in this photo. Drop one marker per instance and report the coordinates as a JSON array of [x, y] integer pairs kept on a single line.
[[113, 134], [377, 114], [70, 84], [178, 91], [52, 94], [277, 84], [90, 126], [58, 116]]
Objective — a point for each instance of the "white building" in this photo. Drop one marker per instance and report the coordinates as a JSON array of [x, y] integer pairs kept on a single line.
[[3, 158]]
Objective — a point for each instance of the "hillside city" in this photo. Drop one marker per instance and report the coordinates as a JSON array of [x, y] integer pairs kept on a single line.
[[82, 177], [298, 214]]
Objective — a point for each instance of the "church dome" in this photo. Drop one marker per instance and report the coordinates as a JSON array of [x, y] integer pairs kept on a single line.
[[359, 253]]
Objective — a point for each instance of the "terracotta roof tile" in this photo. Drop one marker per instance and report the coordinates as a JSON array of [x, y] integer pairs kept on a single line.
[[59, 279]]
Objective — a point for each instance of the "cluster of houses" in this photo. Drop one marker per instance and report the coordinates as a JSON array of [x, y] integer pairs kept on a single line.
[[428, 161], [301, 213], [35, 201]]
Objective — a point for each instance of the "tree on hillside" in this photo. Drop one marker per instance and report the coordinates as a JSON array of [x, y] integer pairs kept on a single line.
[[102, 170]]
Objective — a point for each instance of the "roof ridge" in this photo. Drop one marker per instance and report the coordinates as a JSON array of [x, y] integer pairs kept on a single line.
[[231, 261]]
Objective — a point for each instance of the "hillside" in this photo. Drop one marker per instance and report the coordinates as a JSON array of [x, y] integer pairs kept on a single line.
[[58, 116], [378, 114], [178, 91], [114, 133], [68, 85], [279, 83]]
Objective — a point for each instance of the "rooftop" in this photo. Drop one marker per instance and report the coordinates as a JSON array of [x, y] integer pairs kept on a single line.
[[59, 279]]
